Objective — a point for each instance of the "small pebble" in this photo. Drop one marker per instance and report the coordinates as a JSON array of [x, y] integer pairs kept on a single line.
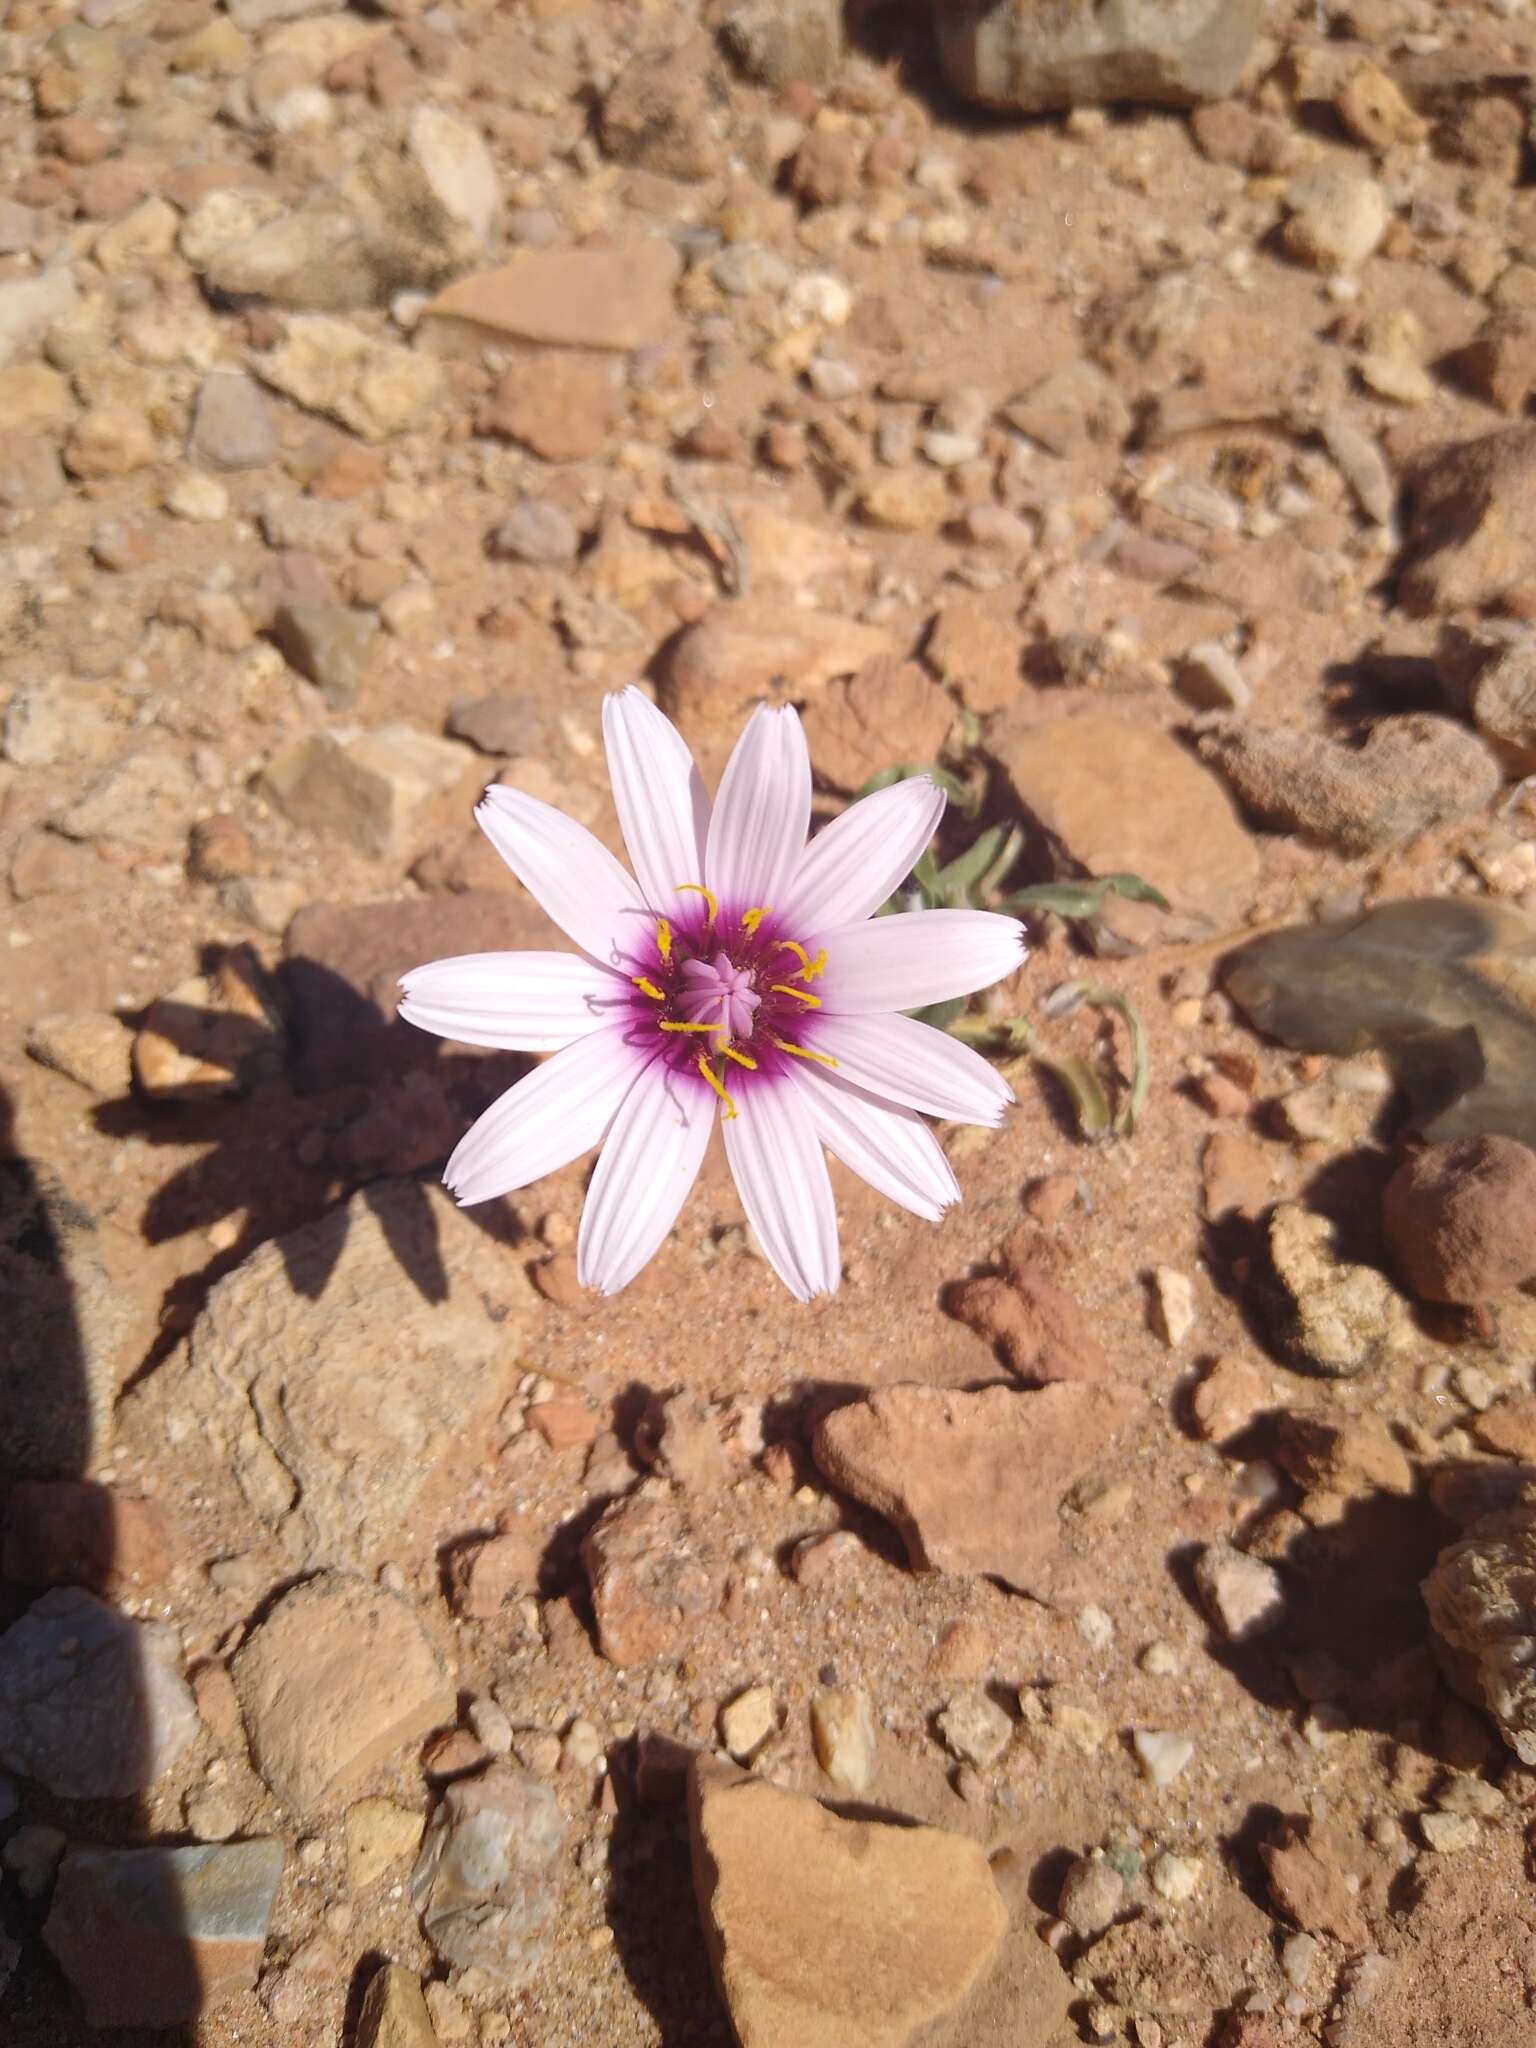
[[1162, 1756]]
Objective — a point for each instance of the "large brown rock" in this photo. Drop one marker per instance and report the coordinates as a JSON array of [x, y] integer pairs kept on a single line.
[[338, 1677], [750, 648], [1460, 1219], [336, 1368], [1112, 796], [971, 1480], [1412, 772], [831, 1933], [1481, 1598], [1471, 528]]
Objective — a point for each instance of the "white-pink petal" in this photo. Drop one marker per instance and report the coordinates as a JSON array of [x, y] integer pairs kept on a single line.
[[570, 874], [891, 1148], [660, 797], [762, 812], [649, 1161], [547, 1119], [861, 858], [781, 1176], [915, 958], [901, 1060], [523, 1002]]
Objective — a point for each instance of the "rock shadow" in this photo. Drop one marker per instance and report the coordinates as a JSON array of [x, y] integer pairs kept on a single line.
[[655, 1921], [58, 1368]]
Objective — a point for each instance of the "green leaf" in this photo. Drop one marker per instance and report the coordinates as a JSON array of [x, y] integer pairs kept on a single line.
[[965, 799], [1070, 996], [967, 869], [1087, 1092], [1083, 899]]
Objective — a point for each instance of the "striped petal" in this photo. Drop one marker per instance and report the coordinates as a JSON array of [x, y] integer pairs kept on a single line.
[[523, 1002], [660, 797], [854, 864], [919, 957], [781, 1175], [572, 876], [762, 813], [902, 1061], [547, 1119], [890, 1148], [650, 1159]]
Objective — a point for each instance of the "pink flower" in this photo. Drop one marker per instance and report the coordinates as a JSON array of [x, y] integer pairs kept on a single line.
[[742, 979]]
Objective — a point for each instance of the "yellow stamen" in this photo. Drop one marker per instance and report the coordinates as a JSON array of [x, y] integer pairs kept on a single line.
[[698, 889], [718, 1085], [803, 1052], [742, 1059], [809, 968], [751, 919], [649, 988], [782, 988], [663, 938], [668, 1026]]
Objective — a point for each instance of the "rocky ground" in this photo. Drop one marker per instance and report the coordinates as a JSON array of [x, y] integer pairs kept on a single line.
[[402, 1648]]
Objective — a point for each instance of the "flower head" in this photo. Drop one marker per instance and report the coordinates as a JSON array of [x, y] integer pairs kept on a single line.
[[739, 978]]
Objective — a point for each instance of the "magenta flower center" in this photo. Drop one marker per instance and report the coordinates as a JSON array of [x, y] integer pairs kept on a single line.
[[727, 994]]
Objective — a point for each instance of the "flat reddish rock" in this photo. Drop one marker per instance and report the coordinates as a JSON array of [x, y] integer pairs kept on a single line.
[[971, 1480], [832, 1933], [574, 298]]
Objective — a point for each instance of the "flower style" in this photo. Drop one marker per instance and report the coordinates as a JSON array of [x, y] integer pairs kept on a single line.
[[740, 977]]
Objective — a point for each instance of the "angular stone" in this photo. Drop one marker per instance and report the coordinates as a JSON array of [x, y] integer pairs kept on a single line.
[[328, 643], [232, 424], [485, 1881], [338, 1677], [1308, 1865], [1337, 220], [370, 789], [780, 41], [89, 1046], [1038, 55], [558, 402], [393, 2013], [1243, 1595], [148, 798], [92, 1705], [750, 648], [1358, 1456], [29, 306], [1412, 772], [843, 1732], [378, 1835], [376, 388], [457, 168], [396, 1291], [219, 1033], [972, 1481], [663, 111], [824, 1932], [650, 1586], [615, 298], [1117, 797], [890, 711], [153, 1937]]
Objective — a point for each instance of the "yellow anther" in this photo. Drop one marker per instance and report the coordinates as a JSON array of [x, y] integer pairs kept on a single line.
[[803, 1052], [751, 919], [698, 889], [782, 988], [649, 988], [718, 1085], [667, 1025], [809, 968], [663, 938], [742, 1059]]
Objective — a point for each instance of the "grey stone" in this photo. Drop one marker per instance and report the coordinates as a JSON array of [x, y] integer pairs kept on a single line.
[[92, 1705], [30, 305], [1040, 55], [152, 1937], [779, 42], [147, 798], [328, 643], [537, 532], [485, 1881], [496, 725], [369, 790], [232, 426], [1481, 1598]]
